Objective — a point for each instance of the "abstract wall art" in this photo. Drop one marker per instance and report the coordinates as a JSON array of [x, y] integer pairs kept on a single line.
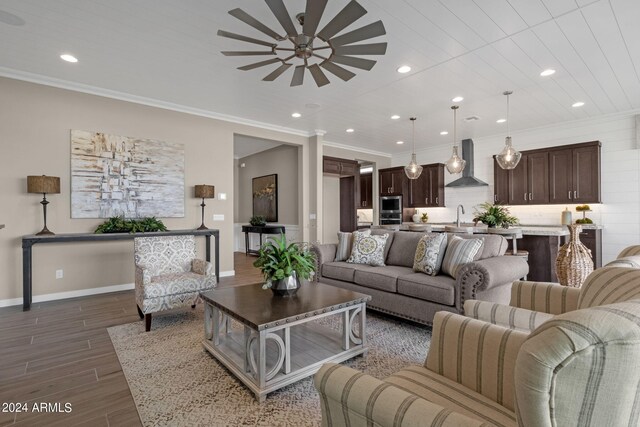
[[265, 197], [122, 176]]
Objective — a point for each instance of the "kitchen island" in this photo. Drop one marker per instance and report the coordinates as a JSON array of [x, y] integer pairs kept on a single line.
[[542, 242]]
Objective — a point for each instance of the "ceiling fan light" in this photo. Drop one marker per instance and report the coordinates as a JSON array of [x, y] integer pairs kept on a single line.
[[508, 157], [455, 164], [413, 169]]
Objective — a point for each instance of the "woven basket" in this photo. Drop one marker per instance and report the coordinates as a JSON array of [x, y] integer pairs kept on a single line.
[[574, 262]]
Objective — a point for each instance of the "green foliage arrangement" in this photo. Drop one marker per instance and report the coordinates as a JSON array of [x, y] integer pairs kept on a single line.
[[494, 215], [118, 224], [584, 221], [258, 221], [278, 260]]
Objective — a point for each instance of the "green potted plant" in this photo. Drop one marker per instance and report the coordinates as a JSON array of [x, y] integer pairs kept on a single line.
[[494, 215], [258, 221], [118, 224], [283, 265]]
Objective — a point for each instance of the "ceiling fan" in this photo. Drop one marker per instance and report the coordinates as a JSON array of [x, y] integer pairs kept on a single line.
[[317, 49]]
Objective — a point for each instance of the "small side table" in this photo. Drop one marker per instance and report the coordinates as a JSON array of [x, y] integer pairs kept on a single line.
[[264, 229]]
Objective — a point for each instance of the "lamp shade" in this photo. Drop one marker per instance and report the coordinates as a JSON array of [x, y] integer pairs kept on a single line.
[[43, 184], [205, 191]]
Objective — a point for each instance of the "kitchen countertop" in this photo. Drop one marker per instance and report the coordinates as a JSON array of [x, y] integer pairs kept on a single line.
[[527, 229]]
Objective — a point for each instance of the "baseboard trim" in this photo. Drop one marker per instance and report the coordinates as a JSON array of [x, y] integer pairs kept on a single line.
[[84, 292]]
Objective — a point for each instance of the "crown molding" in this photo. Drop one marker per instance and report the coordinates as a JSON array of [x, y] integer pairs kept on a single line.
[[357, 149], [150, 102]]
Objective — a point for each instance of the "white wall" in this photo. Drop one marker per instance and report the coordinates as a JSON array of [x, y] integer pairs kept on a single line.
[[619, 212]]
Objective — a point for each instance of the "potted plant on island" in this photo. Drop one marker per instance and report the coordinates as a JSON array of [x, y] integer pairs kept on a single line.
[[494, 215], [283, 265]]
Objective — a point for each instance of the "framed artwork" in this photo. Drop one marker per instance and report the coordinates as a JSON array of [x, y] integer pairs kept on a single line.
[[115, 175], [265, 197]]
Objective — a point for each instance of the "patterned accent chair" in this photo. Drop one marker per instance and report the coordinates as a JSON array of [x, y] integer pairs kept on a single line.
[[533, 303], [577, 369], [168, 275]]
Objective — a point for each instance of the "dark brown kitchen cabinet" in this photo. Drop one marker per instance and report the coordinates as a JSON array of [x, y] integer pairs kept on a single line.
[[500, 184], [529, 181], [592, 239], [428, 190], [575, 174], [393, 181], [342, 167], [366, 191]]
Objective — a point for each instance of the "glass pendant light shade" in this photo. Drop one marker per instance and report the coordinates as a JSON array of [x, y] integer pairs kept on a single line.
[[455, 164], [413, 169], [508, 157]]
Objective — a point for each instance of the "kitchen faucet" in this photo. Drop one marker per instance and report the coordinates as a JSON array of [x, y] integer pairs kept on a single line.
[[458, 214]]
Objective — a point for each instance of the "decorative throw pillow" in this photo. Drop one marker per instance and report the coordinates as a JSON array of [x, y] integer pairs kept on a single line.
[[459, 252], [429, 253], [345, 244], [368, 249]]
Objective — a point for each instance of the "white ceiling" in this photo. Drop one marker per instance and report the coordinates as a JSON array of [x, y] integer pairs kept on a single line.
[[244, 145], [168, 50]]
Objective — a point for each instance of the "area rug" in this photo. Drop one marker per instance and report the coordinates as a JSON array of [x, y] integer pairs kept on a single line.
[[175, 382]]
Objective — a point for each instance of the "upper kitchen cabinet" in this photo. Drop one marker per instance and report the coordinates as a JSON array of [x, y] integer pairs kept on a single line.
[[427, 191], [393, 182], [342, 167], [556, 175], [529, 181], [575, 173]]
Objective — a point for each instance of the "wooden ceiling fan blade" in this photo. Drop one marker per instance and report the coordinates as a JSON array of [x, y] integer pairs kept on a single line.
[[312, 16], [277, 72], [246, 52], [242, 38], [347, 16], [363, 64], [253, 22], [337, 70], [282, 15], [367, 32], [298, 75], [259, 64], [362, 49], [317, 74]]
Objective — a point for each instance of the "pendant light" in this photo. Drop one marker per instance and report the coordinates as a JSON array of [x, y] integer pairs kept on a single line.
[[455, 164], [413, 169], [508, 157]]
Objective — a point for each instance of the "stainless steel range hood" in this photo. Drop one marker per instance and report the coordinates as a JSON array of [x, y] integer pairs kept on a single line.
[[467, 179]]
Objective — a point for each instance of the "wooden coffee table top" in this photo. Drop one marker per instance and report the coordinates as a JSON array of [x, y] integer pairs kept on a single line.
[[260, 308]]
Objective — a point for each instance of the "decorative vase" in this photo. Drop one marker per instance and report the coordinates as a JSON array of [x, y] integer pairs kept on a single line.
[[287, 286], [416, 218], [574, 262]]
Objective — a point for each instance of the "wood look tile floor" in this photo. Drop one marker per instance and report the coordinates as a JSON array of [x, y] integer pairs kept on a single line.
[[60, 352]]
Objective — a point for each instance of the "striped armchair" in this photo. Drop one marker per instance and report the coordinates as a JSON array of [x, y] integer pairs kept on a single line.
[[533, 303], [574, 370], [168, 275]]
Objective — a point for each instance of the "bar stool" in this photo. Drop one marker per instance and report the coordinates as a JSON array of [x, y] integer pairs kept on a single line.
[[514, 234]]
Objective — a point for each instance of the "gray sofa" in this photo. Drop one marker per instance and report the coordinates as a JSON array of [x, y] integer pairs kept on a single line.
[[398, 290]]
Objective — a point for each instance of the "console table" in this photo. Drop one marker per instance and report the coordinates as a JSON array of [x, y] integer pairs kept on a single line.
[[259, 229], [32, 239]]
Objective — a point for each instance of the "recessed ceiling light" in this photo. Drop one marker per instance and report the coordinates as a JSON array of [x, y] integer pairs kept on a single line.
[[395, 117], [296, 115], [404, 69], [444, 132], [400, 142], [68, 58], [577, 104], [350, 130], [501, 120], [457, 99], [548, 72]]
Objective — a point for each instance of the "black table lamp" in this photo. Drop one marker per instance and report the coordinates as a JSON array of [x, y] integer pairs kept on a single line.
[[43, 185], [204, 192]]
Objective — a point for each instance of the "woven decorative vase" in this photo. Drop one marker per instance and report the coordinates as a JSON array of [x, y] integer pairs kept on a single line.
[[574, 262]]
